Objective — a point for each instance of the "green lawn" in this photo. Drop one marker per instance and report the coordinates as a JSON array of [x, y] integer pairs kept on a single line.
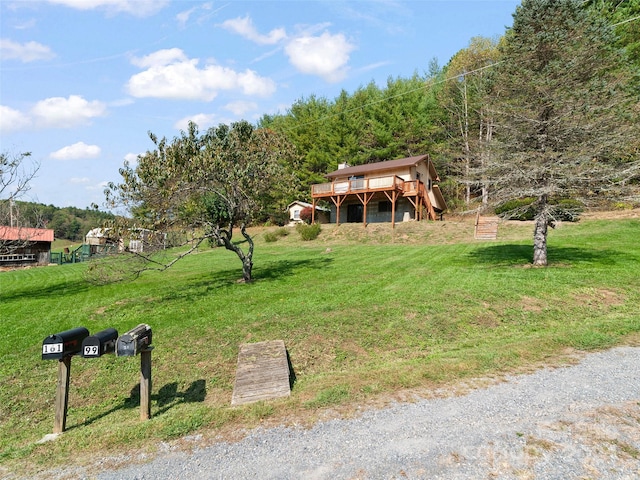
[[363, 319]]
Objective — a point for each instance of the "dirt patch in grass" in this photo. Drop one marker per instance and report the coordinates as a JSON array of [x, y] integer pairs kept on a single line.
[[600, 298], [530, 304]]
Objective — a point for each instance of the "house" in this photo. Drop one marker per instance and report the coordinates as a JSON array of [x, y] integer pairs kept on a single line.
[[294, 208], [25, 246], [391, 191]]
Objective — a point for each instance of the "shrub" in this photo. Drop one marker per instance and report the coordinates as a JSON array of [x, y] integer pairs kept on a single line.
[[517, 209], [275, 235], [308, 232], [277, 218], [270, 237], [306, 214], [567, 209]]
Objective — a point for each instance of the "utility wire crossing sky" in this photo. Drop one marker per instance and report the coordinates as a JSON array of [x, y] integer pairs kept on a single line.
[[82, 82]]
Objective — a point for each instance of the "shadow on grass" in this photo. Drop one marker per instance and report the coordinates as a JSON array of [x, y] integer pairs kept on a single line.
[[167, 397], [62, 288], [519, 255], [265, 271], [292, 373]]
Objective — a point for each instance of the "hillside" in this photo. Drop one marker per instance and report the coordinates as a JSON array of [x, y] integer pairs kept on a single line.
[[69, 223]]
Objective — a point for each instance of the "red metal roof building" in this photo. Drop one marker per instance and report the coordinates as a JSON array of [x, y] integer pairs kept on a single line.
[[24, 246]]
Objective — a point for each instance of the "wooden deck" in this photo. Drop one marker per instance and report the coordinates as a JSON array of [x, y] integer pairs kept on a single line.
[[262, 372], [364, 189]]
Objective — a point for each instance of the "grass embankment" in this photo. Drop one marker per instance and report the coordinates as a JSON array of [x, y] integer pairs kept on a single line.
[[365, 315]]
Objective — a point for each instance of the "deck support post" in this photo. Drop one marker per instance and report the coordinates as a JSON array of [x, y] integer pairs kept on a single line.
[[337, 201], [364, 199]]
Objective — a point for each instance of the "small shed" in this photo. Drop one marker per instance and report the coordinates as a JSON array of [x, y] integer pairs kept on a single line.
[[25, 246], [97, 236], [100, 241], [294, 208]]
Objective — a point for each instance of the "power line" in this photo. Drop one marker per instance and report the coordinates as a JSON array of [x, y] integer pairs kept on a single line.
[[385, 99], [626, 21], [419, 88]]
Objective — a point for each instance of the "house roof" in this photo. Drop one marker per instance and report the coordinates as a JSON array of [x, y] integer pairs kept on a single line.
[[299, 202], [305, 204], [98, 233], [23, 233], [383, 166]]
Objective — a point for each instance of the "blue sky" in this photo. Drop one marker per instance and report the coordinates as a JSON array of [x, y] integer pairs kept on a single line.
[[83, 81]]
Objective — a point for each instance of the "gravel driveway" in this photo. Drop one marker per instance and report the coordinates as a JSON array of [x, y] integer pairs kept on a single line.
[[576, 422]]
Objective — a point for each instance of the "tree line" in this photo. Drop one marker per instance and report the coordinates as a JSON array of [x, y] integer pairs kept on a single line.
[[69, 223], [454, 112]]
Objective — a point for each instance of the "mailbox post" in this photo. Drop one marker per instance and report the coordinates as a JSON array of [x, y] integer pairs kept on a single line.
[[145, 383], [129, 344], [62, 346]]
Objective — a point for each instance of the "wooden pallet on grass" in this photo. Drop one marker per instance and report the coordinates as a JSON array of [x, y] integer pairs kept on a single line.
[[262, 373]]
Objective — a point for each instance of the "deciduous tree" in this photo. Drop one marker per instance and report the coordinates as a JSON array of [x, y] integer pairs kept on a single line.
[[465, 97], [205, 186]]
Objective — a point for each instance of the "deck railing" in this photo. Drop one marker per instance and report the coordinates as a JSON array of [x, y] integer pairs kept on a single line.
[[356, 185]]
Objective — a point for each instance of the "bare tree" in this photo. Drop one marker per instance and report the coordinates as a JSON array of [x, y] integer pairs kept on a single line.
[[465, 97], [15, 178]]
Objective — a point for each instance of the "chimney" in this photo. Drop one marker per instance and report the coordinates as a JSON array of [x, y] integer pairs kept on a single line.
[[343, 165]]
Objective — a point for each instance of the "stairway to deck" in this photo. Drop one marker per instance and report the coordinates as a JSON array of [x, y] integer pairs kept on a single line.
[[486, 228]]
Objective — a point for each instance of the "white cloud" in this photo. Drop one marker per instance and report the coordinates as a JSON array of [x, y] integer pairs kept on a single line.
[[203, 120], [240, 107], [160, 58], [170, 74], [79, 180], [122, 102], [326, 55], [131, 159], [25, 52], [138, 8], [12, 120], [244, 27], [183, 17], [59, 112], [97, 187], [76, 151]]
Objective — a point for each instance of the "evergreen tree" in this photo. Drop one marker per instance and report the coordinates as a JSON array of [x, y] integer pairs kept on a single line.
[[564, 104]]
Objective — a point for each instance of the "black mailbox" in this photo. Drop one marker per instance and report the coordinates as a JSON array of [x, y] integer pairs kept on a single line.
[[63, 344], [130, 343], [100, 343]]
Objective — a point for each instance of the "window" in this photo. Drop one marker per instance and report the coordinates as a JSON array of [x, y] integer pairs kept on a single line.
[[384, 206]]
